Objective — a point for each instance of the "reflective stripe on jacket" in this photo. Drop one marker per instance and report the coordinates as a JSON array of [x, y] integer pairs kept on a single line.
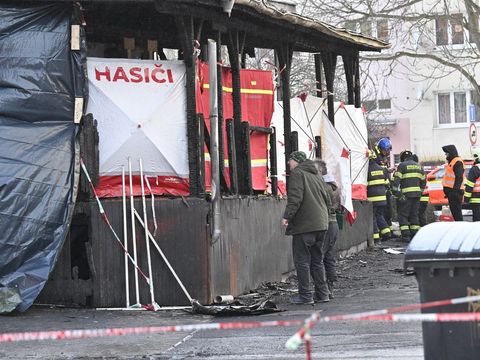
[[449, 178], [376, 184], [472, 185], [409, 179]]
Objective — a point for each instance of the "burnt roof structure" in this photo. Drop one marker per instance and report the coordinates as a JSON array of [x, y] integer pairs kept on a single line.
[[241, 25]]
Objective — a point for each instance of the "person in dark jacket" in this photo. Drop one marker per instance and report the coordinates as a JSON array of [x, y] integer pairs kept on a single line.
[[306, 218], [453, 181], [408, 184], [377, 194], [329, 261], [424, 199], [472, 185]]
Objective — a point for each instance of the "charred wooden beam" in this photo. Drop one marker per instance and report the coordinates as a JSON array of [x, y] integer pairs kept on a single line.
[[318, 74], [349, 66], [273, 162], [329, 61], [232, 157], [285, 54], [186, 33], [356, 81]]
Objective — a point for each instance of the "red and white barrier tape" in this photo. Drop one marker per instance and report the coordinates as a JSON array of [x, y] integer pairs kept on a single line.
[[387, 315], [93, 333], [104, 216]]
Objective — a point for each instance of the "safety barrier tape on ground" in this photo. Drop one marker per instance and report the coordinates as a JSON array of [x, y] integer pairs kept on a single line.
[[292, 343], [94, 333], [388, 315]]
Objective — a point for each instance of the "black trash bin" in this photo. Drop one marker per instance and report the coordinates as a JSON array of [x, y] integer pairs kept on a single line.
[[446, 259]]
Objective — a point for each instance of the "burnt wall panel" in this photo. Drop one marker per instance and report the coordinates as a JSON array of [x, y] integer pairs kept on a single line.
[[253, 248], [181, 234]]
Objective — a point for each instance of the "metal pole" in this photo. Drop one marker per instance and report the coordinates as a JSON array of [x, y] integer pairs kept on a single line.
[[125, 240], [149, 259], [214, 155], [134, 236]]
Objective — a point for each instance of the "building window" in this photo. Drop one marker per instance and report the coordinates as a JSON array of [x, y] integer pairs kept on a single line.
[[382, 30], [452, 107], [366, 28], [378, 105], [449, 29], [378, 28]]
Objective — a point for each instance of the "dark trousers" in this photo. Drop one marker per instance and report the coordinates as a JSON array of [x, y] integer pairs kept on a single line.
[[422, 213], [379, 222], [476, 211], [329, 251], [455, 204], [408, 216], [308, 259], [388, 209]]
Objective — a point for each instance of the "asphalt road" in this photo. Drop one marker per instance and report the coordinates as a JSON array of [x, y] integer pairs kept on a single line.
[[368, 281]]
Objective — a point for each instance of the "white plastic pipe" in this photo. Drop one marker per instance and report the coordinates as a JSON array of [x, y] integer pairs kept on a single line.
[[134, 237], [125, 240], [149, 259]]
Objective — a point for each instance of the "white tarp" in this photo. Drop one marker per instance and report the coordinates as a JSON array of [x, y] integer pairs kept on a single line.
[[140, 108], [350, 124], [343, 146]]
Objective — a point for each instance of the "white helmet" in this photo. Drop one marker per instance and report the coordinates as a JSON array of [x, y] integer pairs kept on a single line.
[[476, 152]]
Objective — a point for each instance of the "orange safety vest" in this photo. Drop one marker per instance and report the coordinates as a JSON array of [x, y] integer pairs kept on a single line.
[[449, 177]]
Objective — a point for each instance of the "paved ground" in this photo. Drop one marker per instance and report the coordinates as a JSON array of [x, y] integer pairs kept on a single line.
[[368, 281]]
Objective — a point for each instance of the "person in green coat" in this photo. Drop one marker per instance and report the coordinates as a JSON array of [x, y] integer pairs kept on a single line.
[[306, 219]]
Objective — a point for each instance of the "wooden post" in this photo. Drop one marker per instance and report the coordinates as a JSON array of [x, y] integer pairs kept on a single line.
[[233, 54], [285, 53], [232, 157], [318, 74], [273, 162], [356, 80], [348, 65], [329, 61], [186, 36]]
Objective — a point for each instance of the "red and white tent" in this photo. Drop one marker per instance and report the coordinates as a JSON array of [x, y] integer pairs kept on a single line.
[[140, 109], [344, 147]]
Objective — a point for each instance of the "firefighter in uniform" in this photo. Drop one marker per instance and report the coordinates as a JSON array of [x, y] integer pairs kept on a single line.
[[382, 151], [408, 184], [453, 181], [376, 193], [472, 185], [422, 210]]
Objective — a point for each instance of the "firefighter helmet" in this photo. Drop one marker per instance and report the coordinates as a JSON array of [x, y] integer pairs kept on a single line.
[[384, 144], [405, 154]]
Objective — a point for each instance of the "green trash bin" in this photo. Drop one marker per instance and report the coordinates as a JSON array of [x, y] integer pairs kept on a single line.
[[446, 260]]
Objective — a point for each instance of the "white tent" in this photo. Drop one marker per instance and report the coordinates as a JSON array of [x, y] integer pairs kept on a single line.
[[140, 109], [343, 146]]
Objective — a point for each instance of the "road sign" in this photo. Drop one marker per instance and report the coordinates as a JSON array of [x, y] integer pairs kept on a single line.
[[471, 113], [472, 134]]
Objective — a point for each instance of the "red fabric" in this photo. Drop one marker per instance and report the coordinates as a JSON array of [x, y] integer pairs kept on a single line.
[[351, 217], [111, 186], [359, 192], [257, 108]]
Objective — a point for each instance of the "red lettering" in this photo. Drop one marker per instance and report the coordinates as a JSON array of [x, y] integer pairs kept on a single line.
[[105, 73], [170, 76], [120, 75], [147, 75], [158, 69], [136, 75]]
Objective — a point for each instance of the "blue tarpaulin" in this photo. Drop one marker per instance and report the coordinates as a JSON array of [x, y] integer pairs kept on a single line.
[[40, 78]]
